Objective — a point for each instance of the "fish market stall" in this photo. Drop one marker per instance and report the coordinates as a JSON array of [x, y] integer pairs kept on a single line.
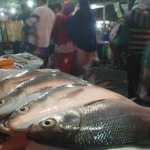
[[51, 110], [24, 60]]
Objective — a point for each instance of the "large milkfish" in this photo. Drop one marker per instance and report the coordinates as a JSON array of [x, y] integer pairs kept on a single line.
[[99, 125]]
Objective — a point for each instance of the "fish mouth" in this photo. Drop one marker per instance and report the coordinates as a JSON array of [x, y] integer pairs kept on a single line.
[[18, 125], [4, 127]]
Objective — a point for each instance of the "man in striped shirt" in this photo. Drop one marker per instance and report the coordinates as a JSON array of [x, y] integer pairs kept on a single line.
[[142, 19], [138, 20]]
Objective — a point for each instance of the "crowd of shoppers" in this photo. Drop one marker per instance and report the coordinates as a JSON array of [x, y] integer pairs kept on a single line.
[[74, 35], [75, 40]]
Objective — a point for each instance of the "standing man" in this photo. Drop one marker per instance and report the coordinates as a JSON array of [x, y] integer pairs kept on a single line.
[[133, 33], [44, 28]]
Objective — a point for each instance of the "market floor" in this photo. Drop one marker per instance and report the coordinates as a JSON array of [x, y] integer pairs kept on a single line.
[[112, 79]]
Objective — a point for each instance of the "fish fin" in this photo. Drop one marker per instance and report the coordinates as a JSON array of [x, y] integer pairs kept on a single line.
[[73, 93], [91, 79], [90, 103], [104, 84]]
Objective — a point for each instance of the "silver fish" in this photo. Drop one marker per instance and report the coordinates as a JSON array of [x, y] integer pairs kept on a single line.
[[10, 73], [10, 83], [21, 73], [4, 128], [60, 98], [26, 91], [102, 124]]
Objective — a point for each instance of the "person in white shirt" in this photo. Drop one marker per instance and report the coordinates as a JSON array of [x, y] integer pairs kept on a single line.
[[44, 28]]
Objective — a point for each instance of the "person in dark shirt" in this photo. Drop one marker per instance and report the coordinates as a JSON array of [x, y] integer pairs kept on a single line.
[[27, 16], [25, 13], [83, 34], [52, 7]]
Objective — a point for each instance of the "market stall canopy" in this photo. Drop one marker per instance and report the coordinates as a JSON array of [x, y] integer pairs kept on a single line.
[[111, 14], [13, 6], [16, 3]]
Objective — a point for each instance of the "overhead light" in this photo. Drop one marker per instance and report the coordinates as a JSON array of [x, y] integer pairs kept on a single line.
[[30, 3], [13, 11], [2, 14], [99, 26], [94, 6]]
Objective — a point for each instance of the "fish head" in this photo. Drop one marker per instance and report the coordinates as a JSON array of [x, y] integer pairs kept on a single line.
[[42, 107], [57, 128], [24, 116], [12, 101]]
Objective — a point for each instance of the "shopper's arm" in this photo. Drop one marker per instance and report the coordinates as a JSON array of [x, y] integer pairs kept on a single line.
[[36, 35]]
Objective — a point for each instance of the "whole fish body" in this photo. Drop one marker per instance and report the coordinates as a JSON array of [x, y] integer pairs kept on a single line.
[[6, 73], [10, 73], [103, 124], [27, 91], [19, 74], [60, 98], [10, 83]]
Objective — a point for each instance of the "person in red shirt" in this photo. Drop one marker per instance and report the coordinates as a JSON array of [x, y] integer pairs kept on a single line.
[[64, 47]]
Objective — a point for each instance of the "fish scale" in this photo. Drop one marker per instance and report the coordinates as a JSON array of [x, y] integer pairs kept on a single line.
[[121, 123]]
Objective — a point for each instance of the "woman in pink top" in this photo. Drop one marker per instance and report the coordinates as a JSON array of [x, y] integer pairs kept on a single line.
[[64, 48]]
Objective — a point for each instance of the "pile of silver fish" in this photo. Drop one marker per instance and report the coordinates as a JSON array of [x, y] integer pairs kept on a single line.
[[54, 110]]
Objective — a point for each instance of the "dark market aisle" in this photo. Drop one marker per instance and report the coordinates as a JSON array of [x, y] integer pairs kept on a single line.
[[112, 79]]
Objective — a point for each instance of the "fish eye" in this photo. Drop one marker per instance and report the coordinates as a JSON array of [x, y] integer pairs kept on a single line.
[[50, 123], [2, 102], [23, 110]]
